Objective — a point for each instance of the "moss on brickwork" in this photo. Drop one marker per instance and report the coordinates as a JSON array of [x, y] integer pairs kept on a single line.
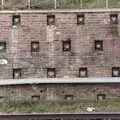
[[104, 106]]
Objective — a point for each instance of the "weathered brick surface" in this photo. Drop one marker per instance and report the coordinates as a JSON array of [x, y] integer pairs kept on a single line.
[[80, 92], [34, 28]]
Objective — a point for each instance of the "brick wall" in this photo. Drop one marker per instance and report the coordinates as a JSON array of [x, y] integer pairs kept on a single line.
[[33, 27], [61, 92]]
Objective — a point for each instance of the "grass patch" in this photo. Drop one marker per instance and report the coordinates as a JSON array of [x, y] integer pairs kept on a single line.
[[62, 4], [57, 106], [114, 3]]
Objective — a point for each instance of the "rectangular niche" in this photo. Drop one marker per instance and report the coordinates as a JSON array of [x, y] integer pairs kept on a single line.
[[116, 72], [114, 25], [35, 46], [101, 97], [68, 97], [35, 98], [83, 72], [67, 45], [98, 45], [16, 19], [114, 19], [2, 46], [51, 72], [2, 98], [50, 19], [17, 73], [80, 19]]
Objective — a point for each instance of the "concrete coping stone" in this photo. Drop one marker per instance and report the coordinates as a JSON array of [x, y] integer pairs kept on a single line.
[[31, 81], [61, 11]]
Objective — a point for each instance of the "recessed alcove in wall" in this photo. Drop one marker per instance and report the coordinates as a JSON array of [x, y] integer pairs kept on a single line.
[[50, 19], [114, 25], [51, 72], [68, 97], [83, 72], [35, 46], [114, 19], [35, 98], [2, 46], [98, 44], [17, 73], [16, 19], [115, 71], [101, 97], [81, 19], [66, 45]]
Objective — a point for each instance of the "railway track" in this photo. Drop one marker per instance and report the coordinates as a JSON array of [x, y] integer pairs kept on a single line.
[[61, 116]]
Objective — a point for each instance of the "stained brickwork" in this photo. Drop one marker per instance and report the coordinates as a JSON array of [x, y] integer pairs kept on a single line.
[[61, 92], [33, 27]]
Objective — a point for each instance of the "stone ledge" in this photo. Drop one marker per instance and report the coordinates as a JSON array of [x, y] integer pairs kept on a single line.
[[60, 81], [63, 11]]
